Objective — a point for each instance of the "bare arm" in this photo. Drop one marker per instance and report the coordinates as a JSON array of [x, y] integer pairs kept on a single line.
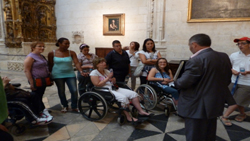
[[96, 82], [28, 62], [76, 62], [151, 75], [147, 61]]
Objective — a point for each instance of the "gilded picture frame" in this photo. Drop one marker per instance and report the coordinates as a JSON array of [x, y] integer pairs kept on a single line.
[[114, 24], [218, 10]]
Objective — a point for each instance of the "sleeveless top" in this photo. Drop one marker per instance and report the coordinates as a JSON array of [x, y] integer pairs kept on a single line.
[[62, 67], [158, 83], [39, 67]]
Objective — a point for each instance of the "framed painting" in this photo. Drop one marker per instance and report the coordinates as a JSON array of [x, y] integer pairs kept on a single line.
[[114, 24], [218, 10]]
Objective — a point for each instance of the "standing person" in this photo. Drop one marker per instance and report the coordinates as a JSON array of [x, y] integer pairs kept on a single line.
[[203, 89], [4, 135], [86, 62], [163, 75], [241, 72], [149, 56], [60, 66], [133, 48], [118, 60], [36, 66]]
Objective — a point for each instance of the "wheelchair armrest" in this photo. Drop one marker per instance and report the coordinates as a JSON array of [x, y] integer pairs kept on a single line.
[[120, 84], [16, 84]]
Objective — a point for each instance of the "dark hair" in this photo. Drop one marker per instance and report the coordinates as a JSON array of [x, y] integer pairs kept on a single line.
[[33, 44], [201, 39], [248, 41], [97, 60], [137, 45], [115, 42], [144, 48], [60, 40], [166, 69], [82, 46]]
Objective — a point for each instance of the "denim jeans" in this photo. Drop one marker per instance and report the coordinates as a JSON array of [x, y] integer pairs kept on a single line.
[[82, 82], [71, 82], [39, 93], [172, 91]]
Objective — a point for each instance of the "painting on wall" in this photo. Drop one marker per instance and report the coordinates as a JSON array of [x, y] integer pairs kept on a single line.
[[218, 10], [114, 24]]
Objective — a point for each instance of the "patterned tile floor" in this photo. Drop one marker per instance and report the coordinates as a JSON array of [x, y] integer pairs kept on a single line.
[[71, 126]]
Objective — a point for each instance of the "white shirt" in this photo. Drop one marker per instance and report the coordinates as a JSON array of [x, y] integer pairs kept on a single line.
[[239, 59], [102, 77], [151, 55], [133, 59]]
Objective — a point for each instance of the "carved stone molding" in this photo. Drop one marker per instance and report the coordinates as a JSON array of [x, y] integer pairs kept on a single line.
[[29, 20], [15, 66], [78, 37]]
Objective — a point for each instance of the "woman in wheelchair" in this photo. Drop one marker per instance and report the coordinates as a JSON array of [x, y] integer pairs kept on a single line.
[[25, 102], [101, 77], [162, 76]]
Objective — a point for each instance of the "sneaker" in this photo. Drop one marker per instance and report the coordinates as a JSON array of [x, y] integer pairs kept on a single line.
[[42, 121], [46, 112]]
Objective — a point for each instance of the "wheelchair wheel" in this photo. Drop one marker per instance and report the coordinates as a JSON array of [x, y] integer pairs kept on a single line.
[[17, 130], [148, 96], [92, 106]]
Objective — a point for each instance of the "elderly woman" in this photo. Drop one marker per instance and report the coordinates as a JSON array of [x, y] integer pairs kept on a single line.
[[102, 77], [36, 66], [148, 55], [85, 59]]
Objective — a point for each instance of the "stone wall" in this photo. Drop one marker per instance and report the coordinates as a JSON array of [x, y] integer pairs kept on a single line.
[[86, 16], [163, 20]]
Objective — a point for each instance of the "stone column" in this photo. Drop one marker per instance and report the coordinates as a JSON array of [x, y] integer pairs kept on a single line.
[[156, 24]]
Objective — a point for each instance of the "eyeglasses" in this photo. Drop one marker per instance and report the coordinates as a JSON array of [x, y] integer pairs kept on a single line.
[[238, 44]]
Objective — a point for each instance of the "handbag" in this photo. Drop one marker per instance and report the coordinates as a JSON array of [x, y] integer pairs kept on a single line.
[[138, 70], [43, 82]]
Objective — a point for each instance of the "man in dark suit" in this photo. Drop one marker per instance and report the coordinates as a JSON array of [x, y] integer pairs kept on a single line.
[[203, 89]]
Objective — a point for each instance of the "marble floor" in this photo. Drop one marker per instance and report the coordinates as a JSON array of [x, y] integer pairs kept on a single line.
[[71, 126]]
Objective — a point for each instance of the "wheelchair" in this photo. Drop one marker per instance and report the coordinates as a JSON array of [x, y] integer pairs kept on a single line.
[[95, 103], [18, 109], [152, 95]]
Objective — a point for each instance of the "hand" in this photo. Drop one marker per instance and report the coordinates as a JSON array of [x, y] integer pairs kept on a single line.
[[6, 80], [110, 75], [3, 128], [243, 73], [235, 72], [113, 80], [32, 87]]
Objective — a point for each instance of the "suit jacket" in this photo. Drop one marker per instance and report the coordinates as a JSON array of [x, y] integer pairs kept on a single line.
[[204, 85]]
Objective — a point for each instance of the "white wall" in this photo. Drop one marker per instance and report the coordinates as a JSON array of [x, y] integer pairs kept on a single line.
[[179, 31], [87, 16]]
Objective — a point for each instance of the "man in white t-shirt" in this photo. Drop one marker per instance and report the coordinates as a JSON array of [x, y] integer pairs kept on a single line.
[[240, 81]]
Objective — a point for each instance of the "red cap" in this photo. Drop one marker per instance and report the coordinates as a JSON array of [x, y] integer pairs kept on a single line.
[[242, 39]]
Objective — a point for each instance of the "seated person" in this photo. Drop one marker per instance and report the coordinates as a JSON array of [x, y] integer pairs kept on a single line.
[[30, 99], [162, 75], [101, 77]]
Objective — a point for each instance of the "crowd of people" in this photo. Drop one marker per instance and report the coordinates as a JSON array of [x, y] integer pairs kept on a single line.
[[210, 79]]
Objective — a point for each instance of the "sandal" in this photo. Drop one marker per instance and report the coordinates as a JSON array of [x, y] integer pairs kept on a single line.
[[64, 109], [240, 117], [226, 121]]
